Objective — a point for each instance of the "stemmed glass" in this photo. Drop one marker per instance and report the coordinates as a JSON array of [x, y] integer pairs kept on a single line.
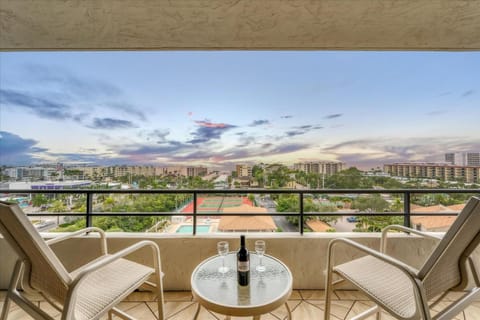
[[260, 250], [222, 248]]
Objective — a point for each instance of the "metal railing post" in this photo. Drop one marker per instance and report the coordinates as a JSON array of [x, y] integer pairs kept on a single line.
[[406, 209], [301, 212], [88, 214], [194, 213]]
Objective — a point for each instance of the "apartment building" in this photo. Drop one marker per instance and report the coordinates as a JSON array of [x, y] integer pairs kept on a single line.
[[243, 170], [447, 172], [320, 167], [28, 173], [182, 171], [463, 158], [97, 172]]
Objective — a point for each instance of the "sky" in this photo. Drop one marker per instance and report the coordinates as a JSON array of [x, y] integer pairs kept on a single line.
[[221, 108]]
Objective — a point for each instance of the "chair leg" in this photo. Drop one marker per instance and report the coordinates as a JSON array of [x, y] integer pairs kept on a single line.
[[328, 294], [6, 307], [12, 287]]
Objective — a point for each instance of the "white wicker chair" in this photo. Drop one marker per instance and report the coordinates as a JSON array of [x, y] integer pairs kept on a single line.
[[405, 292], [90, 291]]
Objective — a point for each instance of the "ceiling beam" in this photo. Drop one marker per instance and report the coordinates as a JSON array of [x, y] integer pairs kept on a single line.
[[239, 24]]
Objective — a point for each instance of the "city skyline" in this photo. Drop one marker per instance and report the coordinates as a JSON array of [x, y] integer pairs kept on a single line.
[[220, 108]]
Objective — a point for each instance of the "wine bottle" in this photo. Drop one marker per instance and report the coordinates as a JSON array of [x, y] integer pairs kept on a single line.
[[243, 263]]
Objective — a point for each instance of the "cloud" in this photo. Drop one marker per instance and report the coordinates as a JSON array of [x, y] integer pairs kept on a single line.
[[373, 152], [286, 117], [127, 108], [75, 91], [208, 131], [154, 150], [305, 127], [159, 136], [61, 79], [288, 148], [246, 141], [208, 124], [17, 150], [468, 93], [299, 130], [109, 123], [436, 112], [41, 107], [333, 116], [259, 123], [294, 133], [101, 159]]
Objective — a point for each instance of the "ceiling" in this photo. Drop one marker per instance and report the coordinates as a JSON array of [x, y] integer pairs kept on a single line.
[[239, 24]]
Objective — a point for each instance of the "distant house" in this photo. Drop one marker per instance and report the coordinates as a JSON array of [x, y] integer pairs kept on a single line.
[[319, 226], [435, 223], [246, 223]]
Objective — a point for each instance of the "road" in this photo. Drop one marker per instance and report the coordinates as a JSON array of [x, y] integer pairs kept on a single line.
[[280, 221], [343, 225]]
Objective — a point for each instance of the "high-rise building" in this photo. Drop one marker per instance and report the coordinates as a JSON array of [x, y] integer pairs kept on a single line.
[[463, 158]]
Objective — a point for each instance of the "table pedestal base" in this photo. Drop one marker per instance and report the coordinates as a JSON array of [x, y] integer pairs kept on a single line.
[[254, 317]]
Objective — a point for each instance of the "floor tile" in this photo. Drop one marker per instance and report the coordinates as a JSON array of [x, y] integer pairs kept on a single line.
[[307, 311], [304, 304], [189, 312], [282, 313], [472, 312], [171, 307], [312, 294], [178, 296], [338, 309]]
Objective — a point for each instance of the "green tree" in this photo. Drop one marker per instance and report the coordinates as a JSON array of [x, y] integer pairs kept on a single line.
[[371, 223], [57, 206], [39, 199], [352, 178]]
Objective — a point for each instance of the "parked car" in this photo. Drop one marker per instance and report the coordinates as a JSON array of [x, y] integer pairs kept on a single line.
[[352, 219]]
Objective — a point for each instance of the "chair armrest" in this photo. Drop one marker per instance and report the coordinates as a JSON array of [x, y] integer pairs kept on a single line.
[[383, 241], [103, 238]]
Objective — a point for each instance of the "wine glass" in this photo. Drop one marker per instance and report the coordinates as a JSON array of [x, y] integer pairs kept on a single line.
[[222, 248], [260, 250]]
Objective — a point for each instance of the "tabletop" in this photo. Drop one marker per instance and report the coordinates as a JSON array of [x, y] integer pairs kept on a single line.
[[221, 293]]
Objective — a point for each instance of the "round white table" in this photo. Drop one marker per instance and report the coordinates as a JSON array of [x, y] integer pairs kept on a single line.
[[221, 293]]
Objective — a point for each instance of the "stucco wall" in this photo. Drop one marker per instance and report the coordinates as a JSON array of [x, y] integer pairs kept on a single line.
[[304, 255]]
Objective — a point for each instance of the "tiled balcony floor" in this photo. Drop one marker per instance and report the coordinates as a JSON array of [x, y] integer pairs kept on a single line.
[[305, 304]]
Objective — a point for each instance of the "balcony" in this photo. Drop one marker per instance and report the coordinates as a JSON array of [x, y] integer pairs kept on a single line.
[[303, 251]]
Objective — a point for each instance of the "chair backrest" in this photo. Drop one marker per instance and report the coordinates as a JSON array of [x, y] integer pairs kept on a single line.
[[46, 273], [446, 268]]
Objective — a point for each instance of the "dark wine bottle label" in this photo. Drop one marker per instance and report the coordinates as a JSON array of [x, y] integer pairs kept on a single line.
[[243, 266]]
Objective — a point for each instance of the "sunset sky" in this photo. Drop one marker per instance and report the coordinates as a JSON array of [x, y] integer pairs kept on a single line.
[[219, 108]]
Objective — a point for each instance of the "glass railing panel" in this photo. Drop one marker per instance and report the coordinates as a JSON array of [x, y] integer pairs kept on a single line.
[[128, 223], [169, 203], [58, 223], [436, 211]]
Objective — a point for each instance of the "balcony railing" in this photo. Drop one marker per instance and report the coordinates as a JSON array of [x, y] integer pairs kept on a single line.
[[405, 194]]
